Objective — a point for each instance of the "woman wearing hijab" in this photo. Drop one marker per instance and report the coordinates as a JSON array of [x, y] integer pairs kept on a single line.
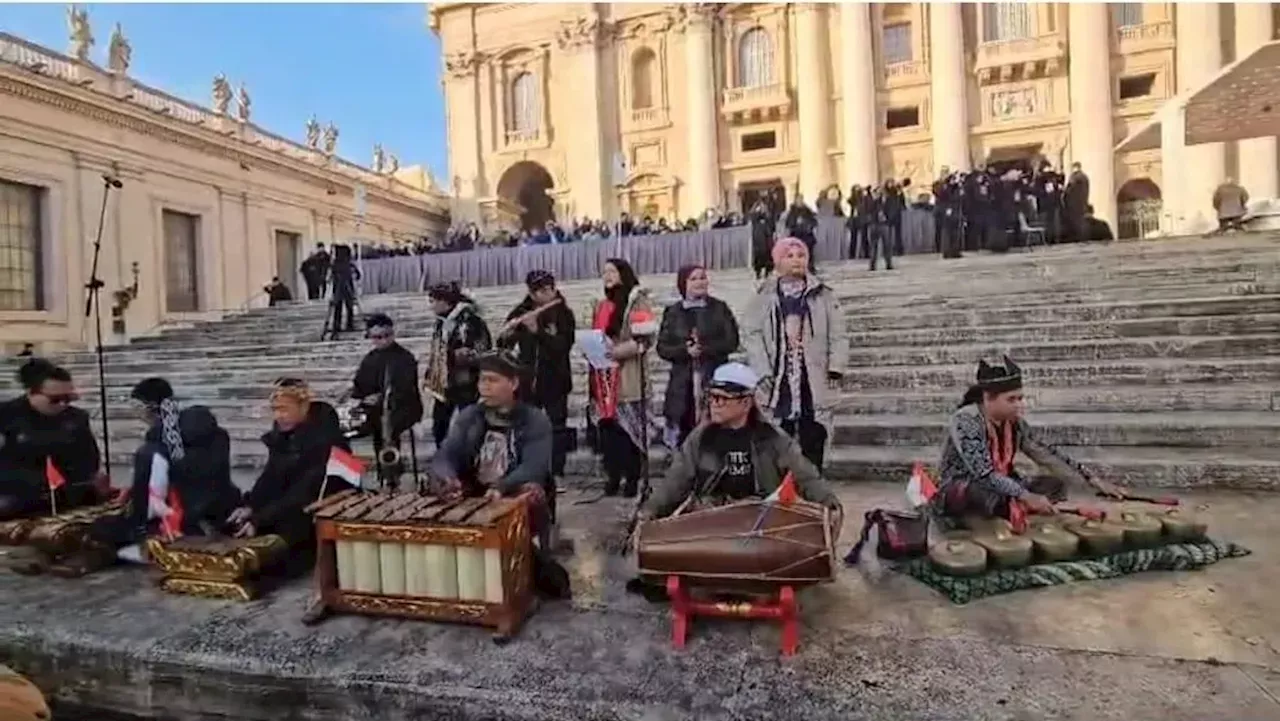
[[697, 336], [797, 342], [617, 394]]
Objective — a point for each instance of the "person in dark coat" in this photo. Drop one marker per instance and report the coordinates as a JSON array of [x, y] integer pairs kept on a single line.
[[697, 335], [344, 276], [763, 227], [1075, 205], [540, 329], [277, 293], [41, 428], [460, 335], [388, 369], [801, 223], [315, 272]]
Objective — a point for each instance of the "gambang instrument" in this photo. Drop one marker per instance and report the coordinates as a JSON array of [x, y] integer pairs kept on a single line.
[[217, 567], [409, 555]]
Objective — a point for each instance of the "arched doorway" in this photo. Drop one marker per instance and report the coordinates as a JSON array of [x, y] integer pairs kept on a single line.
[[526, 184], [1138, 208]]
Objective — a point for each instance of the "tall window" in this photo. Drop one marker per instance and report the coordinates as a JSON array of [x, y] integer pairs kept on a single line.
[[524, 103], [1125, 15], [1007, 21], [755, 59], [181, 254], [643, 73], [896, 43], [21, 267]]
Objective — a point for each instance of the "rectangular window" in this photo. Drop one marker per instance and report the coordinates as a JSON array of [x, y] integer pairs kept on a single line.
[[1126, 15], [897, 118], [759, 141], [1137, 86], [1007, 21], [21, 240], [182, 261], [896, 43]]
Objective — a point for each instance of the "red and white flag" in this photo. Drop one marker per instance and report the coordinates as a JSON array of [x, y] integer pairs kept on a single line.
[[786, 494], [171, 521], [345, 466], [54, 477], [921, 488]]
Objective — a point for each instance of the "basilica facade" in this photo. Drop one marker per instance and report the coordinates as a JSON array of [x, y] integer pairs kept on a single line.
[[210, 207], [589, 110]]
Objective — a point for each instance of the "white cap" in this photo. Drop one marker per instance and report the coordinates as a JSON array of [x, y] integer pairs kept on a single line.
[[735, 378]]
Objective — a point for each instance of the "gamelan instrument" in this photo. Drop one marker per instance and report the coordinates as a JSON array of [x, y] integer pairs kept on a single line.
[[404, 554], [758, 547], [217, 566], [57, 535]]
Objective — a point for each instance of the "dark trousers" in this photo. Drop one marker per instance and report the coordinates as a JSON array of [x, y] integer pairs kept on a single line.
[[315, 288], [858, 241], [810, 241], [952, 236], [621, 459], [882, 244], [340, 302], [966, 499], [812, 437]]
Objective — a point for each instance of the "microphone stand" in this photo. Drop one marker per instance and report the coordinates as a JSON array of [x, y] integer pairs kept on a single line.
[[93, 303]]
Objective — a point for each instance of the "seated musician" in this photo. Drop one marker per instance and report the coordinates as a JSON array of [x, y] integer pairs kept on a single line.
[[388, 364], [736, 454], [40, 429], [302, 435], [984, 435], [502, 447]]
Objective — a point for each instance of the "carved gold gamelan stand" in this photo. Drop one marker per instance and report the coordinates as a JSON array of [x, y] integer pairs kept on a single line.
[[218, 568]]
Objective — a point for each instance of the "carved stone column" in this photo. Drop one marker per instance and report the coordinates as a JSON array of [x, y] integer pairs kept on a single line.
[[857, 64], [1092, 135], [948, 88], [1258, 172], [462, 98], [814, 98], [1199, 56], [588, 151], [703, 150]]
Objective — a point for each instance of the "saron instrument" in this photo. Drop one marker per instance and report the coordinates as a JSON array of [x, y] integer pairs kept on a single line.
[[409, 555], [217, 567]]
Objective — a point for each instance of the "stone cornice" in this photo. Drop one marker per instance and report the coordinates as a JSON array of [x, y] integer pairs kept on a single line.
[[463, 64], [588, 31], [117, 113], [698, 16]]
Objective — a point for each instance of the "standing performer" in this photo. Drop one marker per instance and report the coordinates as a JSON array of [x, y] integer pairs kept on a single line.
[[541, 330], [697, 335], [40, 429], [618, 394], [315, 272], [387, 378], [796, 339], [344, 275], [763, 226], [802, 224], [460, 335]]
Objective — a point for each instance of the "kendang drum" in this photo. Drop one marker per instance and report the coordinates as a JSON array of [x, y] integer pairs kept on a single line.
[[414, 556], [757, 547], [217, 567]]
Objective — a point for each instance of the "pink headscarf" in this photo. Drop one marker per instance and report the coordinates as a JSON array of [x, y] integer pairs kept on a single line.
[[784, 245]]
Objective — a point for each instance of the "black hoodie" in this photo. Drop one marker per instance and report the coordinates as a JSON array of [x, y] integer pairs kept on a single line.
[[202, 477]]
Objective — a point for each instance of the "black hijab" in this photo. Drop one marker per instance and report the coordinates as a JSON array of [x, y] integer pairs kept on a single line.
[[619, 295]]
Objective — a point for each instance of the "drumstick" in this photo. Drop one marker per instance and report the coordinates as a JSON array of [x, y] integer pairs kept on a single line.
[[1139, 498], [1089, 512]]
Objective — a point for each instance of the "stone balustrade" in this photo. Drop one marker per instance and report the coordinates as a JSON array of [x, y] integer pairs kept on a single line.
[[1000, 58], [764, 100]]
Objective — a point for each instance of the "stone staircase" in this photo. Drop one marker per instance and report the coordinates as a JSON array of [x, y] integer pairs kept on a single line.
[[1154, 362]]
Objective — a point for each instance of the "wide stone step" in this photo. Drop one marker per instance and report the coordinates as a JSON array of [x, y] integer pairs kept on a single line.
[[1129, 466]]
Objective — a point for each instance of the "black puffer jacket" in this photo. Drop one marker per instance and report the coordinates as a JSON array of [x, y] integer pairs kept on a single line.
[[718, 335], [202, 477], [295, 472]]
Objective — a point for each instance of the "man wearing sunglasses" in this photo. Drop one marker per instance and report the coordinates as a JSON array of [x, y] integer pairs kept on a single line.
[[389, 368], [738, 454]]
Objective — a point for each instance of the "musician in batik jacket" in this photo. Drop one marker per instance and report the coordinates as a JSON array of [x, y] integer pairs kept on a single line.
[[460, 335], [40, 428], [796, 340], [984, 436], [697, 335], [540, 330], [388, 367], [304, 431]]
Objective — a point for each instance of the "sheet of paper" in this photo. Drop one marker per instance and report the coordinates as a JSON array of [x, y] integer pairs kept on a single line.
[[595, 347]]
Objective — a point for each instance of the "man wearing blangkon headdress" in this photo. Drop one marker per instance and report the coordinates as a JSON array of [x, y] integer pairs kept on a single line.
[[985, 434]]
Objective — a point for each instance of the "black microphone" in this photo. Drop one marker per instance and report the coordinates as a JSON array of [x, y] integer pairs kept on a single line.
[[112, 181]]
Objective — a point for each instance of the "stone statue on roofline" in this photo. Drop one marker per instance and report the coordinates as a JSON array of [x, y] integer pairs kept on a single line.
[[243, 104], [81, 34], [379, 158], [393, 163], [313, 133], [221, 94], [330, 138], [119, 52]]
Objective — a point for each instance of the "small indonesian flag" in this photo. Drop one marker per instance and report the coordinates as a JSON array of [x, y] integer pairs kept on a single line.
[[345, 466], [786, 493], [921, 488], [643, 322], [53, 475]]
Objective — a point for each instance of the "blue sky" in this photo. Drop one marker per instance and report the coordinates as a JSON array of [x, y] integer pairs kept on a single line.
[[373, 69]]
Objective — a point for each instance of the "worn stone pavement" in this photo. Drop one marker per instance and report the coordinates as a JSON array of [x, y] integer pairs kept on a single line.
[[876, 645]]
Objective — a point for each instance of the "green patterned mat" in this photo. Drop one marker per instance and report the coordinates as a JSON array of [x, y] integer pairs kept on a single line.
[[1172, 557]]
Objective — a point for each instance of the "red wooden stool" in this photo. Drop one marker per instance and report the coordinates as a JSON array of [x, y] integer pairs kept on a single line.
[[684, 608]]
